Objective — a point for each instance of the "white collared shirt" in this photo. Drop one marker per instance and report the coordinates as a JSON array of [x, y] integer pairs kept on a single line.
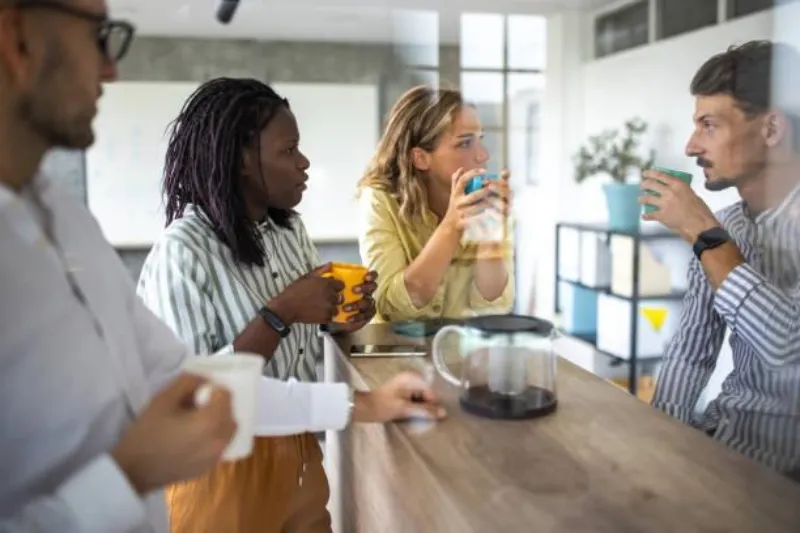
[[80, 357]]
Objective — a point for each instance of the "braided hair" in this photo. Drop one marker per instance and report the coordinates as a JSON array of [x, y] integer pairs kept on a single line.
[[204, 161]]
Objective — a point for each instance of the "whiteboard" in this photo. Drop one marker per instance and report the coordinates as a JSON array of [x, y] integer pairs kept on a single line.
[[338, 132]]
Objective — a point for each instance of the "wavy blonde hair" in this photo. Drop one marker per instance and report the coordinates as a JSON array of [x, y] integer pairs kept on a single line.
[[418, 120]]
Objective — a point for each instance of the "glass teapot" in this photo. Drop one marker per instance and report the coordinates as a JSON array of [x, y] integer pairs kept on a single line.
[[508, 365]]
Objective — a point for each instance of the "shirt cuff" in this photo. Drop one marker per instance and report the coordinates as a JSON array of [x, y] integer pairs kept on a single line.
[[734, 291], [102, 499], [502, 303], [399, 301], [225, 350], [330, 406]]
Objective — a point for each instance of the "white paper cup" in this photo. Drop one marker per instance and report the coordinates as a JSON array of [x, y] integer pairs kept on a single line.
[[239, 373]]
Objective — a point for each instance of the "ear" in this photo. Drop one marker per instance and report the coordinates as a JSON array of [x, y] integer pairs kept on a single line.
[[420, 159], [14, 51], [775, 128], [249, 161]]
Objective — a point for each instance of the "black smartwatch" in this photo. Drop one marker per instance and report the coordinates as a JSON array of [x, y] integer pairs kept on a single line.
[[274, 321], [709, 239]]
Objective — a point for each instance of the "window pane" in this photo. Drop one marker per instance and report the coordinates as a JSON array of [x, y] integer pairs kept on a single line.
[[525, 94], [416, 37], [426, 77], [679, 16], [485, 91], [527, 42], [622, 29], [738, 8], [493, 142], [482, 40], [523, 89]]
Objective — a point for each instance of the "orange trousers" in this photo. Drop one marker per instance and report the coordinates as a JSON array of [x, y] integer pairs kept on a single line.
[[280, 488]]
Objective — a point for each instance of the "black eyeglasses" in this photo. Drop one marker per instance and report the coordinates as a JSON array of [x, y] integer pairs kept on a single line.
[[113, 36]]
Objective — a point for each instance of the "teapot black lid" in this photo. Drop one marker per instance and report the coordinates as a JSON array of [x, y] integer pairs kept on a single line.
[[510, 324]]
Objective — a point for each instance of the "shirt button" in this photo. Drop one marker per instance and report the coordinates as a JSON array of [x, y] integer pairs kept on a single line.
[[437, 308], [302, 351]]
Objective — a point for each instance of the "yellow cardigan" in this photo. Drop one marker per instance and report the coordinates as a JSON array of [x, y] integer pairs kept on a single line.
[[388, 244]]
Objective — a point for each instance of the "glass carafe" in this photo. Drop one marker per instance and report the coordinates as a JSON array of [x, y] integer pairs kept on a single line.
[[508, 365]]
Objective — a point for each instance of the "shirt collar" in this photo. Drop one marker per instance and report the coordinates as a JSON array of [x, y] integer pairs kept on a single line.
[[789, 207], [9, 196], [18, 209]]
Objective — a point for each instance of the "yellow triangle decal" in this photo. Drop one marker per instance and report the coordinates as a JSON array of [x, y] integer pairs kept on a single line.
[[656, 316]]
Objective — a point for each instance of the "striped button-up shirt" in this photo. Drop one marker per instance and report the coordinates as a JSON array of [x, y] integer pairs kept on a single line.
[[758, 410], [193, 283]]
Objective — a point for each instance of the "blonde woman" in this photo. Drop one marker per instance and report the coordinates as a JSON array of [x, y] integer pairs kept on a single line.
[[415, 210]]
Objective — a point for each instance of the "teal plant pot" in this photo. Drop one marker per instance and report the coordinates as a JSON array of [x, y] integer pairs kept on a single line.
[[622, 201]]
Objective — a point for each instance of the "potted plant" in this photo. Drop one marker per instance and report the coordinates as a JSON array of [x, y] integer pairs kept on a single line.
[[616, 154]]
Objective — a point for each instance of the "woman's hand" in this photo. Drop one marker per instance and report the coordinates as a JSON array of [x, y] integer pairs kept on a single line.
[[463, 207], [363, 309]]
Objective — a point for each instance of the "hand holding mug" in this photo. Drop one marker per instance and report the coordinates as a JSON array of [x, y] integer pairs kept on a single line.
[[311, 299], [675, 204], [174, 440], [360, 312], [465, 207]]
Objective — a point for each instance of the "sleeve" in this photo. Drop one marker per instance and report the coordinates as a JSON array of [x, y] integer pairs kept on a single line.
[[313, 260], [505, 302], [691, 355], [292, 407], [382, 251], [762, 315], [174, 286], [97, 499], [309, 251]]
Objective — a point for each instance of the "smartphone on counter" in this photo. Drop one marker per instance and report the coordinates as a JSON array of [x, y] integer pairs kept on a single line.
[[387, 350]]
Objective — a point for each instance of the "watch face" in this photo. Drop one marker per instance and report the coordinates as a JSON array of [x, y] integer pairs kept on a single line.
[[710, 239], [715, 236], [274, 322]]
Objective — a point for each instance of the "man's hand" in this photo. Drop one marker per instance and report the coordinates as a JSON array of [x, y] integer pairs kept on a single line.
[[173, 440], [406, 395], [678, 206]]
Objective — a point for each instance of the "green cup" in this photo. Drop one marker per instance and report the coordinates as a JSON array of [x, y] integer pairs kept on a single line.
[[683, 176]]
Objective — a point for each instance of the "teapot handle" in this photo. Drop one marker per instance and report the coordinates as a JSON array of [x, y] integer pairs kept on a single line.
[[438, 359]]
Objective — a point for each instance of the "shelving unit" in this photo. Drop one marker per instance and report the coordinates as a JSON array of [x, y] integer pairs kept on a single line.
[[635, 298]]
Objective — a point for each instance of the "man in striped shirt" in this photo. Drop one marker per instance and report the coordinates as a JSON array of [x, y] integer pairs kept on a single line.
[[745, 277]]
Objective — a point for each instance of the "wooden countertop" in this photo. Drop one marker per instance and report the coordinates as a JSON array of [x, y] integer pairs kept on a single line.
[[604, 462]]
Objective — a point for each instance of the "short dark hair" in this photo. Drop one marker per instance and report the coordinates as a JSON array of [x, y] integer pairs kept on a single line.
[[759, 75], [203, 166], [743, 72]]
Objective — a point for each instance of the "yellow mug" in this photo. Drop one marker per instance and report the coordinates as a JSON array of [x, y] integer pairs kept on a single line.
[[352, 276]]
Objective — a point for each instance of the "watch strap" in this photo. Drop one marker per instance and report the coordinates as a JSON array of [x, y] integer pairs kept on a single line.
[[274, 321], [709, 240]]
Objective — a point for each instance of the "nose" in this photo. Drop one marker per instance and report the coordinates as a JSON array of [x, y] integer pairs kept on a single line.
[[304, 162], [692, 147], [483, 154], [108, 72]]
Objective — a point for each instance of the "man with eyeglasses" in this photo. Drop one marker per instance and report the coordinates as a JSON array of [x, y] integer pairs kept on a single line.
[[95, 417]]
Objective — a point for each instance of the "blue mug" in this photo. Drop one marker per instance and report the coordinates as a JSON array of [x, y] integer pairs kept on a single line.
[[477, 182]]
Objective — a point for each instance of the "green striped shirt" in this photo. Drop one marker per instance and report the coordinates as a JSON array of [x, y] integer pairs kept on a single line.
[[192, 282]]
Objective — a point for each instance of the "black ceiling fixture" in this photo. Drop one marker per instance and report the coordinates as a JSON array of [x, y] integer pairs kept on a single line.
[[226, 10]]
